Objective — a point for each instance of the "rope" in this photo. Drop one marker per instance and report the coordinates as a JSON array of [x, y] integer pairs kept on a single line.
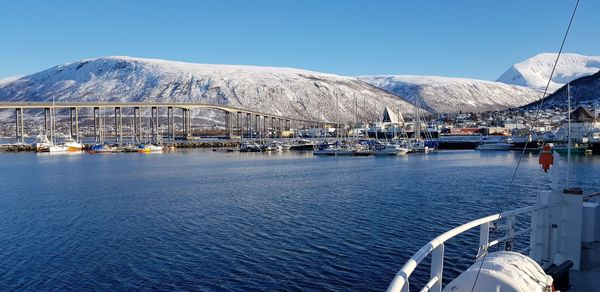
[[538, 111]]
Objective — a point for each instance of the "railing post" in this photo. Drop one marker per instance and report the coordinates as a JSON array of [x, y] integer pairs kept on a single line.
[[508, 245], [437, 267], [484, 239]]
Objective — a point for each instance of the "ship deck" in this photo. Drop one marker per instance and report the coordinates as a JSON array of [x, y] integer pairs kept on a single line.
[[588, 278]]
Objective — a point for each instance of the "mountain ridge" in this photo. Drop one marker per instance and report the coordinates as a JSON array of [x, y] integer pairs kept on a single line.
[[295, 93], [449, 94], [584, 91]]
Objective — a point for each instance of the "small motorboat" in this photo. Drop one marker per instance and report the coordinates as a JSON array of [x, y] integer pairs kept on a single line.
[[73, 145], [389, 149], [42, 143], [420, 146], [149, 148], [334, 150], [101, 148], [273, 146], [250, 147], [497, 146], [57, 148], [303, 144]]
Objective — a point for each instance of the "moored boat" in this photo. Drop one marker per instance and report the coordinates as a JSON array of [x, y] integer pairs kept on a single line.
[[57, 148], [42, 143], [250, 147], [149, 148], [575, 149], [496, 146], [101, 148], [302, 145], [389, 149], [73, 145], [419, 146]]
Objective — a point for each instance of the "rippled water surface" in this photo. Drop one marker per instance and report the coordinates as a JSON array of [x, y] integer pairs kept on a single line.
[[204, 220]]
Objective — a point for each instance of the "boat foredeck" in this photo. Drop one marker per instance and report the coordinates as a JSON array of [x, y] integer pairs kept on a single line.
[[588, 278]]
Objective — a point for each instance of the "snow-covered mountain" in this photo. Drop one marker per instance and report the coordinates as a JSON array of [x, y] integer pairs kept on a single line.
[[444, 94], [535, 71], [584, 91], [281, 91]]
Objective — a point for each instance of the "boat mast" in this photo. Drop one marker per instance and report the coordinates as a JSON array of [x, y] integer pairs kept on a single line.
[[417, 120], [337, 117], [52, 120], [355, 116], [569, 134]]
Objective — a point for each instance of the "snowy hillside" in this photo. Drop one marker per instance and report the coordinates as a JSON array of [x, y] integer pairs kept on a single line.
[[444, 94], [584, 91], [281, 91], [535, 71]]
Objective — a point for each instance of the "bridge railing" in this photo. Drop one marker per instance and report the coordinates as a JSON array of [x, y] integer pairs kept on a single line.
[[436, 246]]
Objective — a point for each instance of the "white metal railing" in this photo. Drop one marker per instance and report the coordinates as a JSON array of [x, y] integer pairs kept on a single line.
[[436, 247]]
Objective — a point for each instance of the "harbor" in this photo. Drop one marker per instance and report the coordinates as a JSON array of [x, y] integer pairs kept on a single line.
[[231, 145], [243, 131], [270, 219]]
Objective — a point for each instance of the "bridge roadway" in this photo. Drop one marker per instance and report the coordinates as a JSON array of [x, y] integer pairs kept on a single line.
[[183, 105], [231, 114]]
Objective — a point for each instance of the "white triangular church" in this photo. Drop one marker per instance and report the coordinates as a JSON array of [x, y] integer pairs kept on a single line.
[[389, 116]]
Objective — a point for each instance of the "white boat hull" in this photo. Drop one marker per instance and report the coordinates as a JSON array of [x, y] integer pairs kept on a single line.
[[58, 148], [495, 146]]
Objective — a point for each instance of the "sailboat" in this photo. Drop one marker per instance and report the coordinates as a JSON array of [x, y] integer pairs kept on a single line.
[[149, 147], [101, 146], [42, 143], [339, 148], [54, 147], [418, 145]]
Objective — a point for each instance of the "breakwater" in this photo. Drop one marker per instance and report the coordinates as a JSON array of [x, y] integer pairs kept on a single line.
[[203, 144]]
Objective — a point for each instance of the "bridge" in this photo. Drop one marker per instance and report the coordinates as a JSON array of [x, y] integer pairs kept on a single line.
[[236, 119]]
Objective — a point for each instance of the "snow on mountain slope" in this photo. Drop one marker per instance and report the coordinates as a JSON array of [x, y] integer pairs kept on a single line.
[[535, 71], [9, 79], [281, 91], [584, 91], [444, 94]]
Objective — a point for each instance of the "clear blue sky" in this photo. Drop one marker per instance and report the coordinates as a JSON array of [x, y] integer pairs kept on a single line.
[[461, 38]]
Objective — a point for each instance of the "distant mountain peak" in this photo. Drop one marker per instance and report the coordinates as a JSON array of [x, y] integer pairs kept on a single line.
[[535, 71], [447, 94]]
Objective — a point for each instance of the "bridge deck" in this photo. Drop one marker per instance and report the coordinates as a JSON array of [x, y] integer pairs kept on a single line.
[[189, 105]]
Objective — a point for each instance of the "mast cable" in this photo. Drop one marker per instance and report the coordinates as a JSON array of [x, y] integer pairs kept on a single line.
[[485, 253]]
